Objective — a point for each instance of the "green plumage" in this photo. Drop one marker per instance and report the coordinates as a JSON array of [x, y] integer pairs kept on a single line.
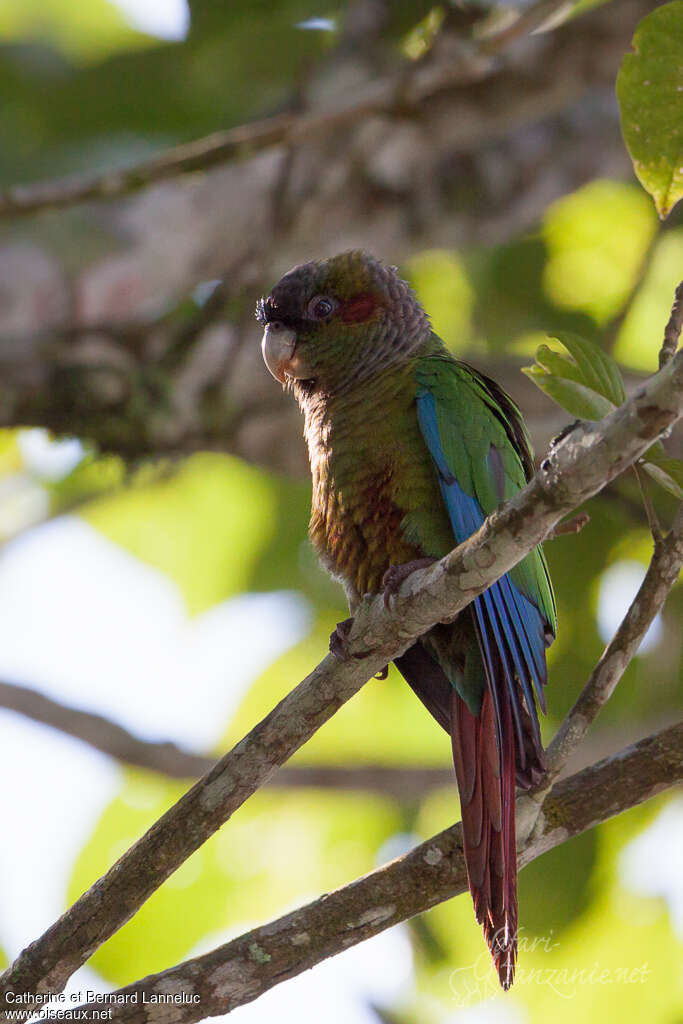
[[471, 421], [410, 450]]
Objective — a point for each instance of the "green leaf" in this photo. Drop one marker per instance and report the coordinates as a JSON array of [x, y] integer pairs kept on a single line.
[[440, 280], [84, 32], [598, 369], [637, 345], [666, 471], [157, 523], [650, 94], [352, 735], [596, 240], [283, 847], [577, 399], [587, 385], [557, 364]]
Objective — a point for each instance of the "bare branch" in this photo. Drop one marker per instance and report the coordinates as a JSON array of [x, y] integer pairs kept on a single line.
[[403, 783], [535, 17], [394, 95], [573, 525], [578, 467], [240, 971], [103, 734], [650, 511], [200, 155]]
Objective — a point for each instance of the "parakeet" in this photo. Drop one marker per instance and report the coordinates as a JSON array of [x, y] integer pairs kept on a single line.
[[410, 449]]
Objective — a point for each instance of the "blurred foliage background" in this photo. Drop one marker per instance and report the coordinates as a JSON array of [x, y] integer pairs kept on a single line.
[[85, 90]]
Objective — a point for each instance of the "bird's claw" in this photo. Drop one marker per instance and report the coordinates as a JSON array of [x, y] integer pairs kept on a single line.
[[339, 640], [564, 433], [396, 574], [339, 646]]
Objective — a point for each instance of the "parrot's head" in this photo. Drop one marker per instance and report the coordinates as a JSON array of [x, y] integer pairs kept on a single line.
[[331, 323]]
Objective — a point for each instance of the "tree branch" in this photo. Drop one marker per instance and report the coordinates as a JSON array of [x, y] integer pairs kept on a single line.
[[103, 734], [243, 969], [167, 758], [587, 458], [403, 783], [672, 331], [202, 154], [543, 14]]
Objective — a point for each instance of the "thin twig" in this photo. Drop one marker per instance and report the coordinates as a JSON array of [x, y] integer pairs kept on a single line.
[[532, 19], [174, 762], [650, 511], [103, 734], [672, 331], [579, 467], [573, 525], [202, 154]]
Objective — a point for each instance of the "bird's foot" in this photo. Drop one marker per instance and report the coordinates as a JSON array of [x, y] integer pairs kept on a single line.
[[564, 433], [396, 574], [339, 646], [339, 640]]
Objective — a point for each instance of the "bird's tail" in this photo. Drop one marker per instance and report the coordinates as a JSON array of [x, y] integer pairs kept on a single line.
[[485, 770]]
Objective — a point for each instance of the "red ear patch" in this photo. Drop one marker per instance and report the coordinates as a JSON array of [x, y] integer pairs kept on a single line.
[[358, 308]]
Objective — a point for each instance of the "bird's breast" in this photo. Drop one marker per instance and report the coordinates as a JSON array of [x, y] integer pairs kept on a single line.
[[357, 514]]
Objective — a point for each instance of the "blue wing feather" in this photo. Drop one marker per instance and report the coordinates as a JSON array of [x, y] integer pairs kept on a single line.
[[509, 626]]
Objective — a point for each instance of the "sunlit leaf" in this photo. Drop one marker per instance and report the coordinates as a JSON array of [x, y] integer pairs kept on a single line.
[[597, 239], [194, 525], [284, 847], [10, 456], [438, 276], [406, 733], [419, 41], [650, 93], [577, 399], [598, 370], [557, 364], [83, 32], [93, 477], [588, 385], [641, 334]]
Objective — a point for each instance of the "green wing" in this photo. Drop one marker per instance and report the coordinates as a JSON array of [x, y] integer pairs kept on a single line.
[[480, 449]]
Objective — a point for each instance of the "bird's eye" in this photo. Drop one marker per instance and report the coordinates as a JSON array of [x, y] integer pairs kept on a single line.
[[320, 307]]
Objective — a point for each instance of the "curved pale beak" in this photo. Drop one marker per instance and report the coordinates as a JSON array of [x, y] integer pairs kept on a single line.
[[278, 347]]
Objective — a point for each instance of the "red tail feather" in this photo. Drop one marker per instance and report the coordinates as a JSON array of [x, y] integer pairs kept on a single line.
[[486, 781]]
